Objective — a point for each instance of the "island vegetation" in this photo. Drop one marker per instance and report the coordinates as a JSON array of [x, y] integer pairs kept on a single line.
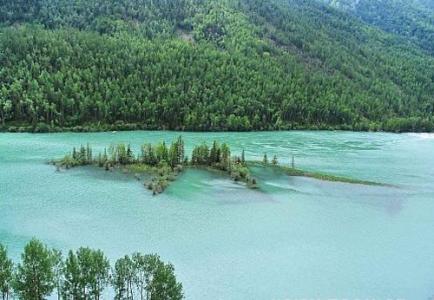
[[225, 65], [160, 164], [163, 163], [85, 274]]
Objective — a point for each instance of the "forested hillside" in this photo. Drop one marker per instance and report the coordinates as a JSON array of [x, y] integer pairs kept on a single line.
[[411, 19], [207, 65]]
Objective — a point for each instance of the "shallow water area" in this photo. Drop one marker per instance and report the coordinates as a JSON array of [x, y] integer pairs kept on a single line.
[[292, 238]]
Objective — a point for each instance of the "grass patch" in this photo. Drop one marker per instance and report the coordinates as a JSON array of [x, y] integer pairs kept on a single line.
[[318, 175]]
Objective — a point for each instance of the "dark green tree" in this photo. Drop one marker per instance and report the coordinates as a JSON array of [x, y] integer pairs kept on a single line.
[[86, 274], [155, 280], [163, 285], [73, 286]]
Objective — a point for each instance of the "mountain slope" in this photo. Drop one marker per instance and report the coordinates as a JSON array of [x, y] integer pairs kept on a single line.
[[206, 65], [411, 19]]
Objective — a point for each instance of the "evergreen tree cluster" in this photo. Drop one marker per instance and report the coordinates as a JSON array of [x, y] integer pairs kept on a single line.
[[164, 162], [207, 65], [122, 154], [85, 274], [219, 157]]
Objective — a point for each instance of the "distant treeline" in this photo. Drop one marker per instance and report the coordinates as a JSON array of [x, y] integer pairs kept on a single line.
[[205, 65], [85, 274]]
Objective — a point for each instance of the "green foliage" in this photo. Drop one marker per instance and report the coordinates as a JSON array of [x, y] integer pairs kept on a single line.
[[58, 268], [411, 19], [163, 285], [241, 172], [147, 276], [325, 177], [149, 17], [163, 162], [34, 278], [85, 274], [82, 157], [213, 65], [164, 174], [201, 156], [219, 157], [6, 269], [124, 278]]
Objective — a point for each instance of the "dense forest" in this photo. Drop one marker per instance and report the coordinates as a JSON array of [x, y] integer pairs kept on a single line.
[[411, 19], [85, 274], [208, 65]]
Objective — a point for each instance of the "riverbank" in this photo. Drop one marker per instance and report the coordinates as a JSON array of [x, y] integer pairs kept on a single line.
[[397, 125]]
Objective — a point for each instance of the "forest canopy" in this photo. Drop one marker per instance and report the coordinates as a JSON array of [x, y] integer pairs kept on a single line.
[[206, 65]]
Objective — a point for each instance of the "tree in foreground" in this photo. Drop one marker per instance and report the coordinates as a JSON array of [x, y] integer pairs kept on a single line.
[[58, 267], [146, 276], [86, 274], [124, 278], [34, 278], [163, 285], [6, 268]]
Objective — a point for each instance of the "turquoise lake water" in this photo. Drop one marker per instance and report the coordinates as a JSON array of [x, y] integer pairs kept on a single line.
[[294, 238]]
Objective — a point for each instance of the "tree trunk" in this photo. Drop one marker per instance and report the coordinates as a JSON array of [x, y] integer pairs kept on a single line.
[[3, 117]]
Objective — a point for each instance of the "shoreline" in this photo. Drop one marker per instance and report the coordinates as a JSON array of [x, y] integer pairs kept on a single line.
[[81, 129], [407, 125]]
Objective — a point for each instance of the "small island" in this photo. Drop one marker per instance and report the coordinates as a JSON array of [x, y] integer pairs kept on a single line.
[[161, 164]]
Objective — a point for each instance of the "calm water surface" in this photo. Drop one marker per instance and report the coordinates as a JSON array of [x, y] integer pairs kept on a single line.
[[294, 238]]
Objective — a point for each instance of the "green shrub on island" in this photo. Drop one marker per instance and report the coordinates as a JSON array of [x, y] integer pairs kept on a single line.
[[219, 157], [162, 162], [165, 163], [85, 274]]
